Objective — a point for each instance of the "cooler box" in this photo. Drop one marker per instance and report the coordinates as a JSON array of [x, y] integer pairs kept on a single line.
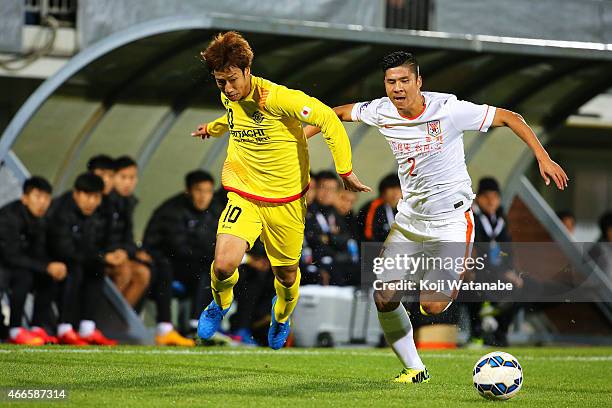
[[326, 316]]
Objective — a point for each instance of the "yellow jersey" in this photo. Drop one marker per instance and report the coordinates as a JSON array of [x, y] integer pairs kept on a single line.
[[267, 155]]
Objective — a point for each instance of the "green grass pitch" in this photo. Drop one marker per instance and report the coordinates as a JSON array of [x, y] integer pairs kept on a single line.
[[219, 377]]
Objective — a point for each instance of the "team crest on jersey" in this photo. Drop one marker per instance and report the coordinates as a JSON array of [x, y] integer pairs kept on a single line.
[[433, 128], [257, 117]]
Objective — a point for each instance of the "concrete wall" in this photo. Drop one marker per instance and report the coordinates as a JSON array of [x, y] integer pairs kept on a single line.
[[97, 19], [12, 15], [584, 20]]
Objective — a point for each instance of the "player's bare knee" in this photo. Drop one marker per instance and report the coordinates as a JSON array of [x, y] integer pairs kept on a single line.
[[286, 275], [434, 308], [224, 268], [383, 303]]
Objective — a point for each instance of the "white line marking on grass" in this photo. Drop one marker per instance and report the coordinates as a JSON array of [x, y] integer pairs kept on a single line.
[[294, 352]]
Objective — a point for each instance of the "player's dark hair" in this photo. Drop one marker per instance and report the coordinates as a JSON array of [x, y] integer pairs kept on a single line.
[[327, 175], [565, 214], [197, 176], [488, 184], [399, 58], [605, 222], [37, 183], [123, 162], [101, 162], [391, 180], [89, 183], [227, 50]]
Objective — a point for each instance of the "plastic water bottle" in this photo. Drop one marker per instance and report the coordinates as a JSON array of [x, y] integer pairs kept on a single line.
[[353, 250]]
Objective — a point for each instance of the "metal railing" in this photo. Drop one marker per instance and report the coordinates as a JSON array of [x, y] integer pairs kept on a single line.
[[64, 11]]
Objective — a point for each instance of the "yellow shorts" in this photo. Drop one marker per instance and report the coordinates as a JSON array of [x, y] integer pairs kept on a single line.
[[281, 226]]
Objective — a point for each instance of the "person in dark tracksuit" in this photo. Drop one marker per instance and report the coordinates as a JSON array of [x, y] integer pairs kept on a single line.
[[253, 294], [76, 234], [26, 262], [376, 217], [328, 237], [490, 234], [180, 236], [130, 267]]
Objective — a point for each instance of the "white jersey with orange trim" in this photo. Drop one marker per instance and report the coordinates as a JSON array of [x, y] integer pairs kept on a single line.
[[429, 151]]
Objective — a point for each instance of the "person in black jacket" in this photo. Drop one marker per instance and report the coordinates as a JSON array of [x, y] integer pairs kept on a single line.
[[327, 236], [181, 235], [130, 266], [376, 217], [76, 237], [350, 259], [23, 253], [253, 294], [490, 233]]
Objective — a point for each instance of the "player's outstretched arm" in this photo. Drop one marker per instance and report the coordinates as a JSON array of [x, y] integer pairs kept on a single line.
[[344, 114], [215, 128], [298, 105], [548, 168]]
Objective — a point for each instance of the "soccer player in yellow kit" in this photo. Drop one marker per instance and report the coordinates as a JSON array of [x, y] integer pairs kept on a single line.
[[266, 173]]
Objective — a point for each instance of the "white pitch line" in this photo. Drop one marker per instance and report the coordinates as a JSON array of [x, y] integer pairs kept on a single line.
[[294, 352]]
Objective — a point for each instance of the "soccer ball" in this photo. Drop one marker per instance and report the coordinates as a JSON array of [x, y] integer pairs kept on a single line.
[[498, 376]]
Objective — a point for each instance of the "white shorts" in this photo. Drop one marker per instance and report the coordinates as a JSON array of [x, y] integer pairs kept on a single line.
[[441, 245]]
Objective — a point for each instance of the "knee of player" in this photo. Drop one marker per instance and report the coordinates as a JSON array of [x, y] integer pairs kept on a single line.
[[286, 275], [224, 268], [383, 304], [433, 308]]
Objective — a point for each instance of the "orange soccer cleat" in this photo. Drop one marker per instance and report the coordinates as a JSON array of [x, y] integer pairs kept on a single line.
[[173, 338], [40, 332], [26, 338], [72, 338], [98, 339]]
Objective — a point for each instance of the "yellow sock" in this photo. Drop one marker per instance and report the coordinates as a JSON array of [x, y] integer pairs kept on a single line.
[[423, 312], [286, 298], [223, 290]]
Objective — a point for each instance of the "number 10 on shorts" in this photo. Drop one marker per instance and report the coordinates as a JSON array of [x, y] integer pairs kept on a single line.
[[232, 214]]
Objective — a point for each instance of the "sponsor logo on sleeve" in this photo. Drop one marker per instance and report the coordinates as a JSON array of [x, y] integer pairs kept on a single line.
[[306, 111], [363, 106]]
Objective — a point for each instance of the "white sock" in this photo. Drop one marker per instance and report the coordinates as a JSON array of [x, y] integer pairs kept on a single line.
[[63, 328], [193, 323], [398, 331], [87, 328], [164, 328], [14, 332]]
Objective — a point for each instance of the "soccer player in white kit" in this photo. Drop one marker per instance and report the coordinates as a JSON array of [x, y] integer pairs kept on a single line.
[[425, 133]]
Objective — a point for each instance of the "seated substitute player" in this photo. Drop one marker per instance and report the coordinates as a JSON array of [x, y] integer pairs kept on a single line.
[[23, 251], [76, 235], [425, 133], [266, 174], [180, 236], [130, 269]]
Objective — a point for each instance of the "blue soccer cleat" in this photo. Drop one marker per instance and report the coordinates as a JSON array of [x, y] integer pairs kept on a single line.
[[210, 320], [246, 337], [278, 332]]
